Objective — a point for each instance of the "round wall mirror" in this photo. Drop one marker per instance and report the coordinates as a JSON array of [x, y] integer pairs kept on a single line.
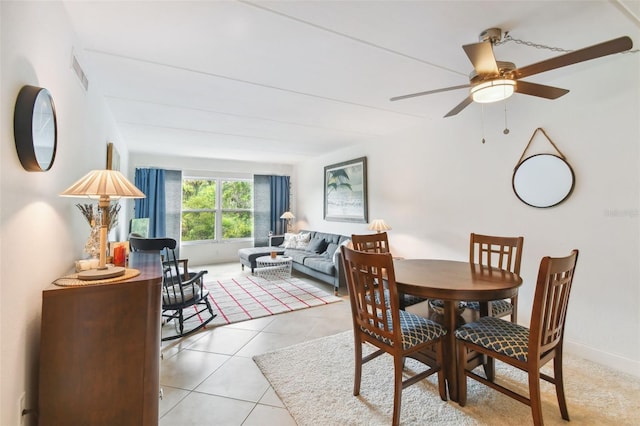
[[35, 129], [543, 180]]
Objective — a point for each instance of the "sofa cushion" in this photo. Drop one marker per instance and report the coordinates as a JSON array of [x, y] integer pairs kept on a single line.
[[302, 240], [289, 240], [296, 241], [297, 256], [320, 263], [329, 238], [317, 245], [330, 250]]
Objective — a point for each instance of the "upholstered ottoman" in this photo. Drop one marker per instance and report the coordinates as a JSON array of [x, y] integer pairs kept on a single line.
[[249, 255]]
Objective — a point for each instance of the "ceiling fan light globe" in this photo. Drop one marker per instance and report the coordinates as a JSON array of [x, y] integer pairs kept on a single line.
[[493, 91]]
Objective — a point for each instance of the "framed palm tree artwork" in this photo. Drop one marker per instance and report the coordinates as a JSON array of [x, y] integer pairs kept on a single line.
[[345, 191]]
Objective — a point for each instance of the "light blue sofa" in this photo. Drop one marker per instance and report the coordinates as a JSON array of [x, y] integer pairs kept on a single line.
[[318, 259]]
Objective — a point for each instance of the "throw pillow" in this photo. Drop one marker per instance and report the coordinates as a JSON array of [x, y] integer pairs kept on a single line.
[[302, 240], [316, 245], [330, 250], [347, 243], [289, 240]]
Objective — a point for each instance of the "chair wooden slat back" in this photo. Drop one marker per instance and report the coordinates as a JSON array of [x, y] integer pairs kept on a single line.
[[174, 290], [371, 243], [369, 302], [161, 245], [379, 243], [551, 299], [377, 321], [180, 290], [504, 341], [499, 252]]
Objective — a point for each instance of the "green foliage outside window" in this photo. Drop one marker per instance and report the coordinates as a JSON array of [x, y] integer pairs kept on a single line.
[[199, 209], [198, 194], [236, 194], [237, 225], [198, 226]]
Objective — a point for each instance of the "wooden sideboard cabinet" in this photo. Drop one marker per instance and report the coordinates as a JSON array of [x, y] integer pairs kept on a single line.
[[100, 350]]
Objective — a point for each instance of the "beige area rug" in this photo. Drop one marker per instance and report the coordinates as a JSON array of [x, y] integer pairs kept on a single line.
[[315, 381]]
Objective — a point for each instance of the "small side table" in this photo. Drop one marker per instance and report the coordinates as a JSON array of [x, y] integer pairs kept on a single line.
[[273, 268]]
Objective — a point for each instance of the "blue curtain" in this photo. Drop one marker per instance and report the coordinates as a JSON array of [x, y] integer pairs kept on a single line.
[[152, 183], [261, 210], [279, 202]]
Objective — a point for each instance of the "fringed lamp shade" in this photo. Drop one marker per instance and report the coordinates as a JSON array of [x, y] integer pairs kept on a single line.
[[379, 225], [104, 185]]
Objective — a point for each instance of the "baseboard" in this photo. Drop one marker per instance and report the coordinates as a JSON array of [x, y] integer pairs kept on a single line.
[[614, 361]]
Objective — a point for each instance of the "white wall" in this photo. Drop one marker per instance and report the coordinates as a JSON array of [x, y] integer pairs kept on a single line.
[[210, 252], [41, 234], [436, 183]]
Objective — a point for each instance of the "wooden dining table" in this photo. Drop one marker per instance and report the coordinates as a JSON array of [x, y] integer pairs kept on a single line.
[[454, 281]]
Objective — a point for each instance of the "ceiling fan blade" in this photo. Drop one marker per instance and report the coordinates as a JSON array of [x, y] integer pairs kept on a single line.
[[462, 105], [540, 90], [430, 92], [592, 52], [482, 58]]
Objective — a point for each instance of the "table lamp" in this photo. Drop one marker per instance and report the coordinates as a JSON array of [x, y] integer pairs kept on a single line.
[[104, 185], [287, 216], [379, 225]]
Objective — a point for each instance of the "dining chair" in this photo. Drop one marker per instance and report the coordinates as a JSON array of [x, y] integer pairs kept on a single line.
[[183, 293], [371, 243], [527, 349], [379, 243], [379, 321], [499, 252]]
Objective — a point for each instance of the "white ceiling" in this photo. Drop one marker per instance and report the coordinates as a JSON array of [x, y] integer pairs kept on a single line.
[[282, 81]]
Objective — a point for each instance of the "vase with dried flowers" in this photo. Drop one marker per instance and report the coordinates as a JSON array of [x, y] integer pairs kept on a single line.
[[91, 213]]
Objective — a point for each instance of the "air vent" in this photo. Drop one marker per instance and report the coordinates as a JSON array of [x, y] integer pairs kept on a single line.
[[79, 72]]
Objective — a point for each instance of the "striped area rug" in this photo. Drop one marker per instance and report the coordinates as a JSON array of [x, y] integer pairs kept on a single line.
[[250, 297]]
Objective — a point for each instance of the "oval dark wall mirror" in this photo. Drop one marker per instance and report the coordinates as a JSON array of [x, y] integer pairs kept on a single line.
[[543, 180]]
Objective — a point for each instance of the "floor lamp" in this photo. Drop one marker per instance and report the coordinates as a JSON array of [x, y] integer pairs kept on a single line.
[[287, 216]]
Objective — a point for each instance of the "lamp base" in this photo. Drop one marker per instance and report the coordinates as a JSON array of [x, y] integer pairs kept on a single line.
[[101, 274]]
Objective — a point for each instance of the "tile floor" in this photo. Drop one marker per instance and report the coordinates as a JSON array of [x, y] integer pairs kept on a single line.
[[209, 378]]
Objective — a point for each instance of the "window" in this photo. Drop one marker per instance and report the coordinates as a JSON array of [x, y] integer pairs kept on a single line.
[[237, 214], [216, 209]]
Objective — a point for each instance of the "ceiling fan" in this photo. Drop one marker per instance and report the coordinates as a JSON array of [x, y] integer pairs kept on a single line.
[[492, 80]]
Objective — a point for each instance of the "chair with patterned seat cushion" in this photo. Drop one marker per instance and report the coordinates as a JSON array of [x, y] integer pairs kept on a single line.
[[499, 252], [499, 308], [527, 349], [379, 243], [378, 320]]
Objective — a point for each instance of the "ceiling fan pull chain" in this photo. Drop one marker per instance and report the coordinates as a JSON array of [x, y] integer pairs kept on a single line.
[[506, 128], [482, 121]]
